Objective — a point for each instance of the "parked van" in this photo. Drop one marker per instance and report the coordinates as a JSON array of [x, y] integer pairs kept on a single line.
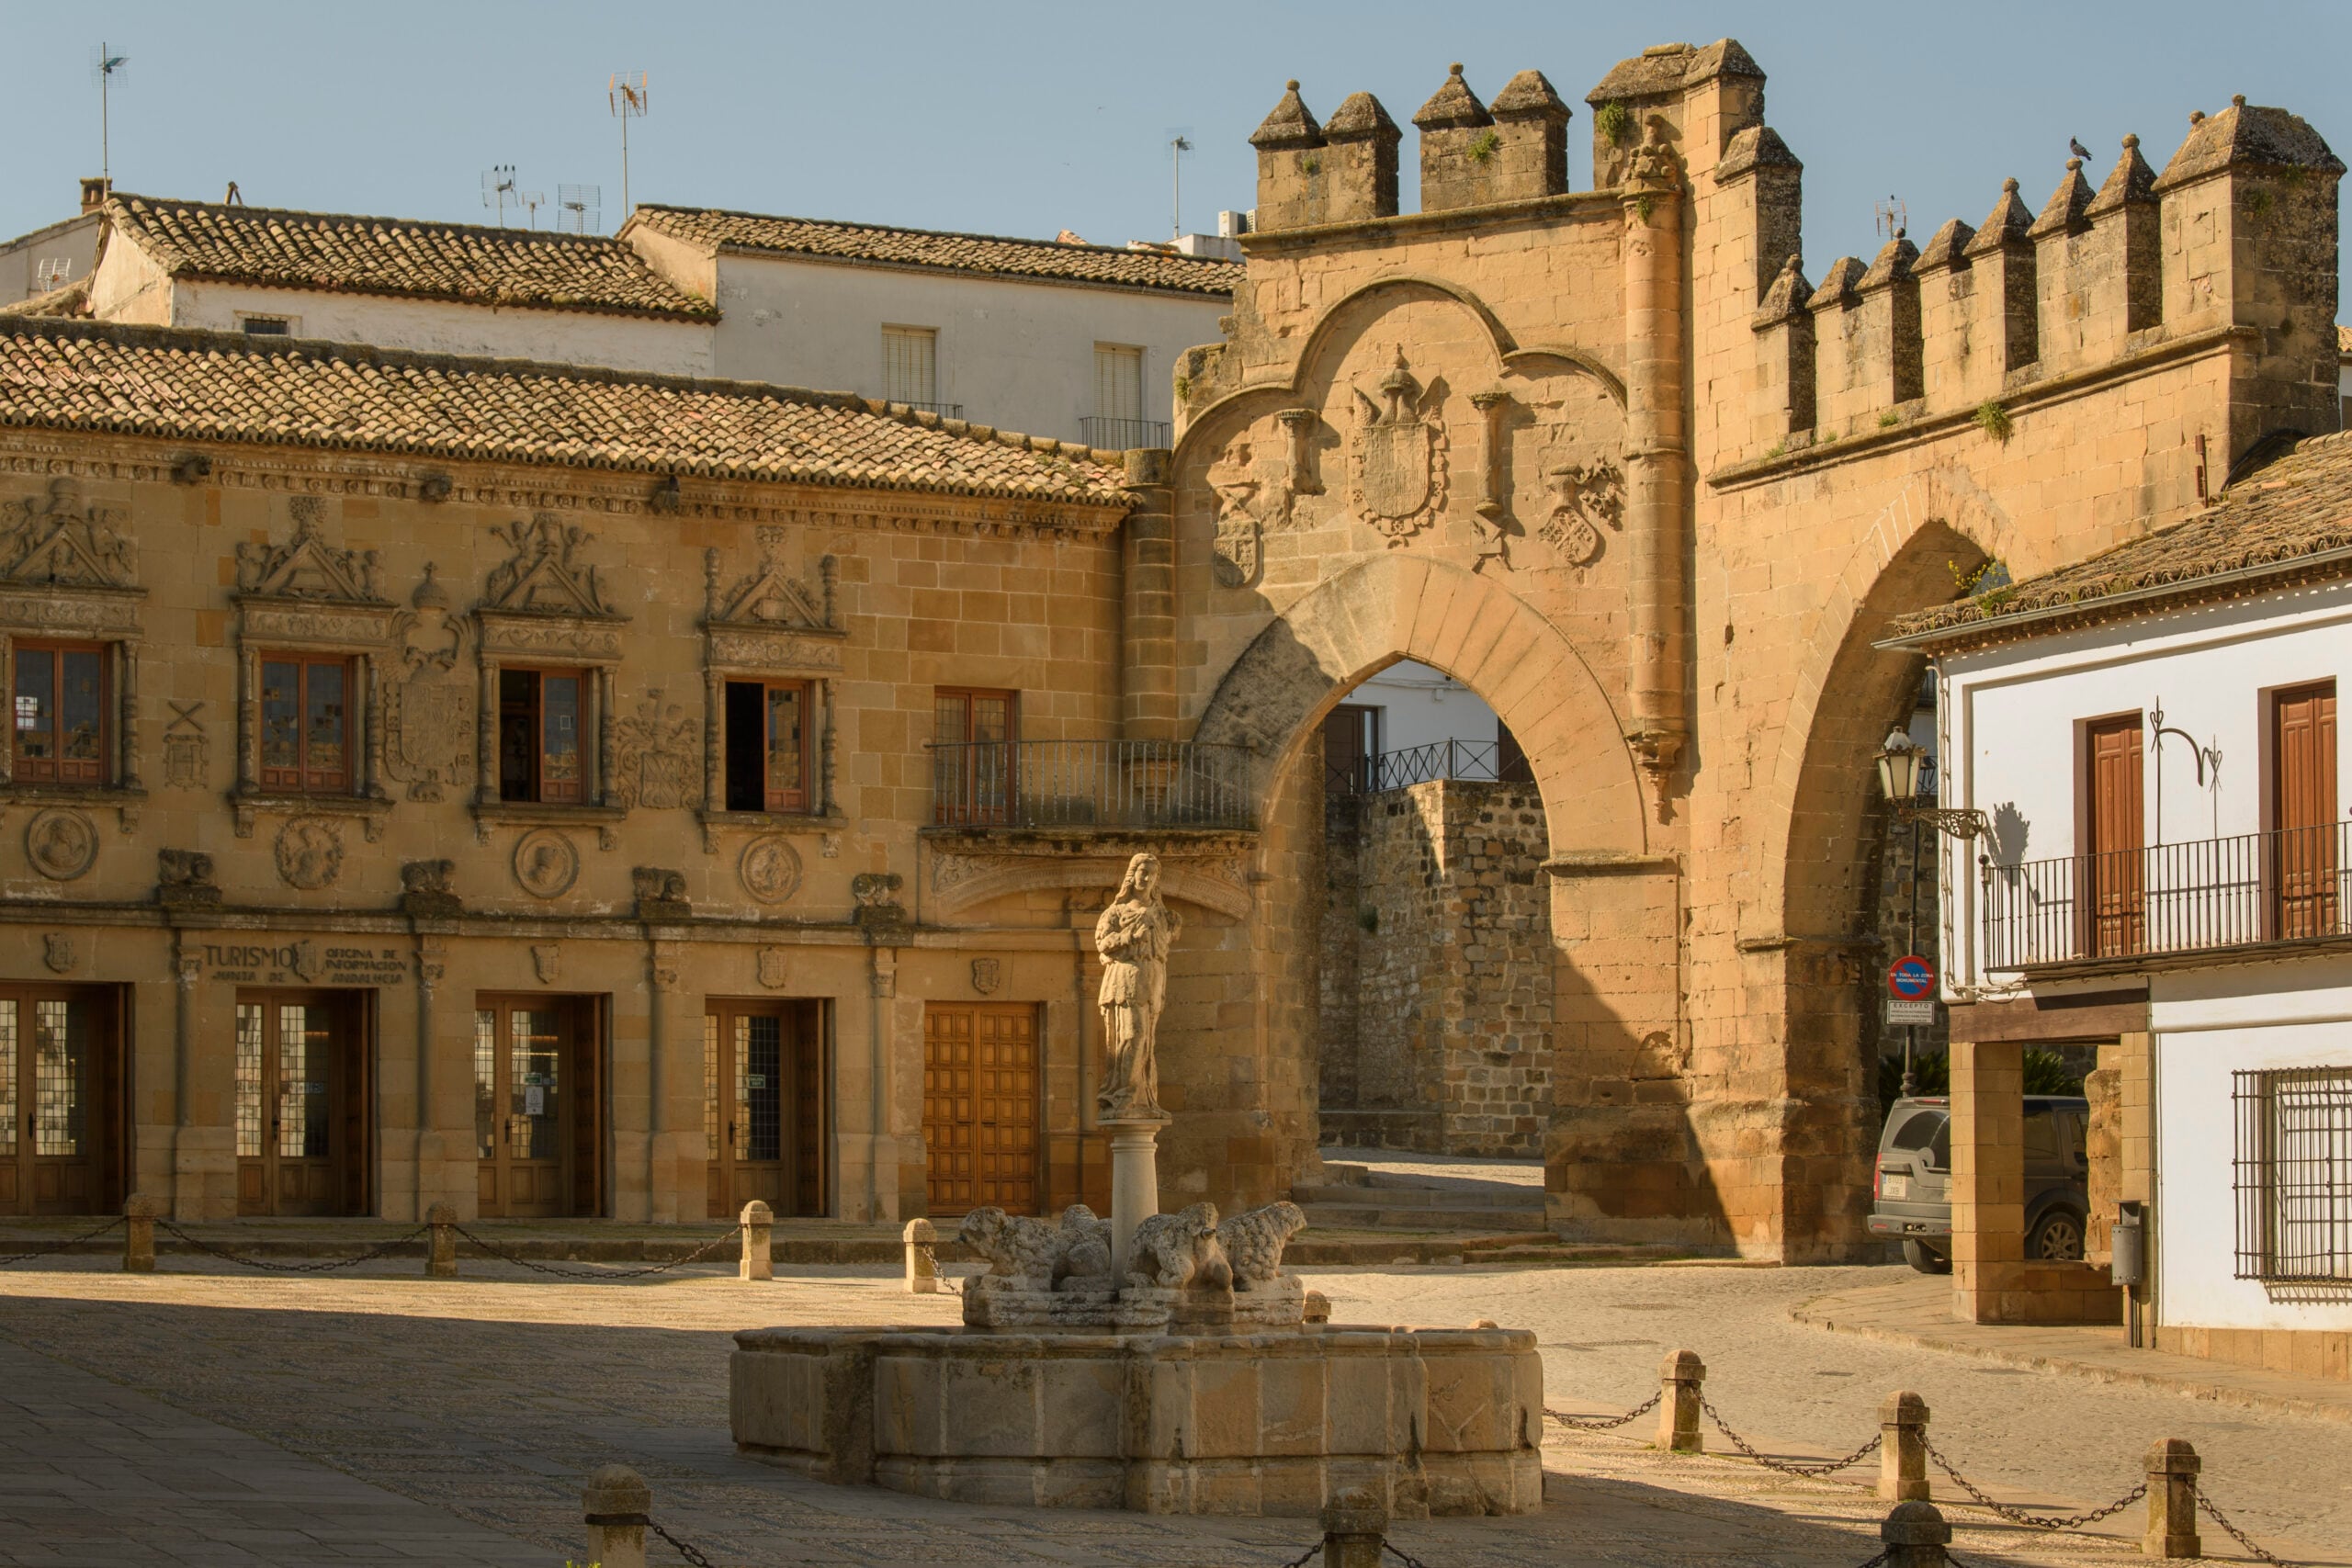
[[1911, 1191]]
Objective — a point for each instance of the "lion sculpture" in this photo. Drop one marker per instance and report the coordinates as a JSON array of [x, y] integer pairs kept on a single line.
[[1180, 1250], [1038, 1255], [1253, 1242]]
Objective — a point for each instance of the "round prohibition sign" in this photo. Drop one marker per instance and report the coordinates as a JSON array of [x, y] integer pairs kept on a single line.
[[1911, 978]]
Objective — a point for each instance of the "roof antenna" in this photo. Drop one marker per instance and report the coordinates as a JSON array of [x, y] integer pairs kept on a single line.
[[626, 94], [105, 67], [1179, 143], [1890, 218], [579, 210], [532, 201], [498, 189]]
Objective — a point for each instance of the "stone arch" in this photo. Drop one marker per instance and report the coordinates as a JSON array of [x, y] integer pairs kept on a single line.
[[1398, 607]]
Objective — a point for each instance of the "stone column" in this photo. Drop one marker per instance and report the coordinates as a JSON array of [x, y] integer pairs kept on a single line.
[[2172, 1500], [1903, 1449], [661, 1183], [1135, 1184], [615, 1502], [1987, 1179], [186, 1185], [431, 1152], [1680, 1377], [1148, 709], [1656, 453]]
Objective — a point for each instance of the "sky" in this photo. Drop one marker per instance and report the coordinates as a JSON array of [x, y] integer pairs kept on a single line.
[[1021, 118]]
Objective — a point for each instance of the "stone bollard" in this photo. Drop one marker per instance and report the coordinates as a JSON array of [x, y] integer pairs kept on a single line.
[[617, 1501], [1679, 1377], [1315, 1307], [923, 1263], [1903, 1449], [441, 1253], [1355, 1530], [139, 1214], [1915, 1536], [2172, 1500], [758, 1242]]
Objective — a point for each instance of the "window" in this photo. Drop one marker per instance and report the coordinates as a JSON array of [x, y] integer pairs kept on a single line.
[[767, 745], [305, 723], [973, 733], [2291, 1171], [542, 727], [1118, 381], [266, 326], [62, 729], [911, 365]]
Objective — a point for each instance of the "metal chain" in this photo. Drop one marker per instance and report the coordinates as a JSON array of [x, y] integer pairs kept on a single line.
[[1407, 1558], [1603, 1423], [49, 1249], [684, 1550], [1303, 1557], [1805, 1472], [1885, 1553], [2205, 1504], [561, 1272], [320, 1266], [2019, 1516]]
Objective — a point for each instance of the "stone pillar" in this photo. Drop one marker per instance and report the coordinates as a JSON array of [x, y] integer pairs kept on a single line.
[[138, 1215], [1147, 703], [441, 1255], [1657, 449], [660, 1184], [757, 1259], [615, 1502], [431, 1178], [1987, 1179], [1681, 1376], [1135, 1184], [186, 1182], [2172, 1500], [1903, 1449], [1355, 1529], [923, 1263], [1915, 1536]]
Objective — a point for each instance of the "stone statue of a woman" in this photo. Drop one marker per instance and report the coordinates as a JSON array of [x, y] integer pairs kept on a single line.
[[1132, 937]]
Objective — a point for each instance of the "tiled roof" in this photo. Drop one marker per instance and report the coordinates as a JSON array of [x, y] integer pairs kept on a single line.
[[201, 386], [468, 263], [985, 253], [2267, 527]]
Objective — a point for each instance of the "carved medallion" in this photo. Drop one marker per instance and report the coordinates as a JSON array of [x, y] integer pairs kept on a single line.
[[547, 962], [57, 952], [1397, 453], [61, 844], [770, 868], [987, 973], [774, 967], [657, 751], [546, 864], [310, 852], [429, 702], [187, 749]]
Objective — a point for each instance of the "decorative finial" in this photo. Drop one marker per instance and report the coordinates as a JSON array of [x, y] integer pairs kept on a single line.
[[2010, 185], [2130, 140], [2195, 117], [2074, 166], [1455, 70], [2237, 100], [1291, 86]]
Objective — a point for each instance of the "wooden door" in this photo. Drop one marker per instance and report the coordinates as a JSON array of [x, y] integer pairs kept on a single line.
[[2302, 811], [764, 1107], [980, 1106], [59, 1099], [1351, 746], [536, 1106], [302, 1125], [2114, 877]]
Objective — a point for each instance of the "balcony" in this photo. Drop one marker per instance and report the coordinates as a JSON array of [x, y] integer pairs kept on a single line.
[[1148, 784], [945, 410], [2207, 896], [1476, 761], [1121, 434]]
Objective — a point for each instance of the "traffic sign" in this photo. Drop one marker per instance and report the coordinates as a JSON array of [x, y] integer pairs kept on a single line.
[[1904, 1012], [1911, 978]]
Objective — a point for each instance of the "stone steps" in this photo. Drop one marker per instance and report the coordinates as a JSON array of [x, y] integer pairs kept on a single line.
[[1460, 1219]]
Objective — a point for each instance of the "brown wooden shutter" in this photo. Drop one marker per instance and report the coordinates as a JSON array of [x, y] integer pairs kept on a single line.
[[2114, 880], [2302, 815]]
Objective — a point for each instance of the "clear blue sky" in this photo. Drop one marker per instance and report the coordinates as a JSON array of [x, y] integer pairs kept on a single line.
[[1026, 118]]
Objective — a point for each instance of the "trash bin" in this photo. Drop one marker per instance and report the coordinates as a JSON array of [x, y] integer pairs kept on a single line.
[[2129, 1245]]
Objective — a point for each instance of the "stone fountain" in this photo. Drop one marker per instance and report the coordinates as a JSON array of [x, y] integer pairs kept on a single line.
[[1159, 1362]]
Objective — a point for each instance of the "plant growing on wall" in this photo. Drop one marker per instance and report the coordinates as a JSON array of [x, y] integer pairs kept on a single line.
[[1994, 421], [1613, 120], [1484, 145]]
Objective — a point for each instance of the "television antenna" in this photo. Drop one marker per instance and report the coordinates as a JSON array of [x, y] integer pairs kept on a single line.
[[626, 94], [498, 189], [106, 66], [580, 210], [1180, 142], [51, 272], [532, 201], [1891, 219]]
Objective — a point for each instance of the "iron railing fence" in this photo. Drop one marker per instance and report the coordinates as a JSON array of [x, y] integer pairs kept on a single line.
[[2291, 1172], [1477, 762], [1090, 783], [1121, 434], [2282, 885]]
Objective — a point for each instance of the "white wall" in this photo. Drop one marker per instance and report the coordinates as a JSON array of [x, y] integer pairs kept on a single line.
[[2011, 716], [1420, 707], [2208, 1025], [74, 242], [1018, 355]]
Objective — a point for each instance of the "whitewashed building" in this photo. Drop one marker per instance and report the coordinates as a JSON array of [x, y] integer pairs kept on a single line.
[[2166, 867]]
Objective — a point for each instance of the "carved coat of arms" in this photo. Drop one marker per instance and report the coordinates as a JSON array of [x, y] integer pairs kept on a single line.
[[775, 967], [1397, 453], [429, 703], [987, 973], [1587, 499]]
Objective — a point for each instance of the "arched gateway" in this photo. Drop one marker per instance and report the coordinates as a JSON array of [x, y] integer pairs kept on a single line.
[[1610, 459]]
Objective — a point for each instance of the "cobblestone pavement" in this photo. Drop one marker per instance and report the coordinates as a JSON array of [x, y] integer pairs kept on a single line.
[[488, 1399]]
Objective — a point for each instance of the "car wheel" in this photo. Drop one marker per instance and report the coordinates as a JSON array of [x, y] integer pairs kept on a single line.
[[2057, 1237], [1925, 1259]]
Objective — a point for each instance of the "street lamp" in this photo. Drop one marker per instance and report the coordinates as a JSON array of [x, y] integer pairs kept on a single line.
[[1901, 762]]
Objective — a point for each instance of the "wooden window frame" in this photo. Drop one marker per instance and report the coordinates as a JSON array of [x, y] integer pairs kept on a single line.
[[303, 778], [589, 790], [52, 772], [788, 802], [981, 797]]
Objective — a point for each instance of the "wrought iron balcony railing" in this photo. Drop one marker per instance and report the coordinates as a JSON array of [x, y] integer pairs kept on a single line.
[[1090, 783], [2286, 884], [1477, 761], [1120, 435], [945, 410]]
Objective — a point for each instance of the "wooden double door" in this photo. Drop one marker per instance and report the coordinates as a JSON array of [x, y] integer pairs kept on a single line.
[[763, 1100], [303, 1109], [980, 1089], [538, 1106], [61, 1100]]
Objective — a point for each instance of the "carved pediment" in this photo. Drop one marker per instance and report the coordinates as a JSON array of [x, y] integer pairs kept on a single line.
[[548, 572], [771, 596], [61, 540], [1212, 874], [307, 567]]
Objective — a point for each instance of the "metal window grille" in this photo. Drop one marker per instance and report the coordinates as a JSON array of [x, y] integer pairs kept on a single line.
[[910, 366], [1123, 434], [2291, 1171]]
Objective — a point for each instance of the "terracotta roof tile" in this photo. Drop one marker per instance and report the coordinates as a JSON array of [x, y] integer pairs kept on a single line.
[[186, 385], [401, 257], [2295, 508], [987, 254]]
